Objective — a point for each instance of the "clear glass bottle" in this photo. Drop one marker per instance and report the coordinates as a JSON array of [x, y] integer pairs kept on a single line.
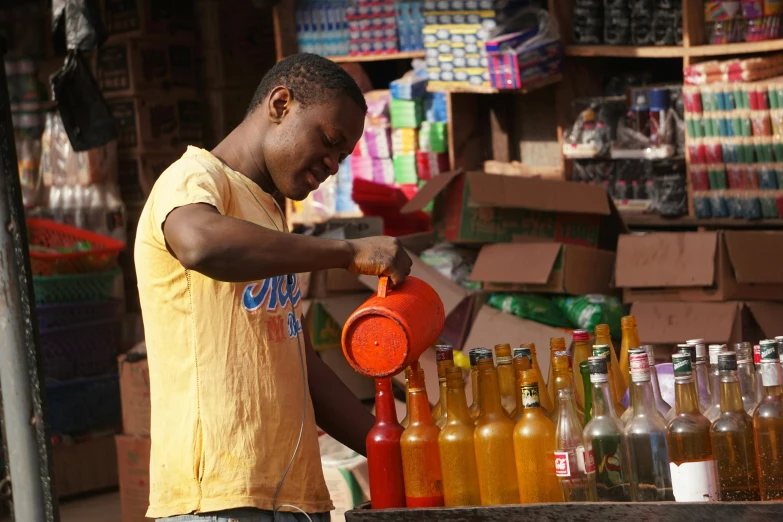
[[660, 404], [570, 451], [603, 350], [606, 449], [522, 362], [546, 399], [474, 409], [759, 380], [746, 373], [419, 446], [556, 344], [648, 452], [732, 438], [584, 370], [444, 355], [700, 366], [713, 412], [580, 353], [562, 379], [630, 340], [506, 379], [494, 440], [456, 445], [404, 421], [768, 424], [691, 460], [690, 350], [534, 446], [604, 336]]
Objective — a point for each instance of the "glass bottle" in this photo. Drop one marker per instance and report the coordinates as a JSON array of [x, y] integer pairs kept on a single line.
[[713, 412], [584, 369], [732, 438], [759, 380], [660, 404], [746, 373], [534, 446], [703, 381], [384, 457], [546, 399], [506, 380], [648, 451], [603, 350], [404, 421], [604, 336], [630, 339], [580, 353], [419, 445], [474, 408], [562, 379], [494, 440], [689, 350], [556, 344], [457, 453], [570, 451], [691, 461], [768, 424], [444, 355], [606, 450], [522, 362]]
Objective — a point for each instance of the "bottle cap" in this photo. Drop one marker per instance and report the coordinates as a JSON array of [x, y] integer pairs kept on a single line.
[[444, 352], [648, 348], [581, 335], [727, 361], [472, 356], [602, 350], [483, 353], [640, 365], [744, 352], [695, 341], [690, 349], [681, 362], [756, 354], [598, 370], [769, 350], [523, 352], [715, 349]]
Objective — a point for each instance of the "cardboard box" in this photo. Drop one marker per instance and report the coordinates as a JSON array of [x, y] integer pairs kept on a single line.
[[158, 122], [137, 172], [544, 268], [474, 207], [135, 394], [730, 322], [700, 266], [142, 17], [133, 465], [85, 465], [130, 66]]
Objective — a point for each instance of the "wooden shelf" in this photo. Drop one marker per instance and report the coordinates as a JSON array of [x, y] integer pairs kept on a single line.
[[410, 55], [640, 220], [736, 48], [625, 51], [491, 90]]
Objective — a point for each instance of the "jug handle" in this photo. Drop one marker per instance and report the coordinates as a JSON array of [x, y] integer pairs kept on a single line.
[[383, 286]]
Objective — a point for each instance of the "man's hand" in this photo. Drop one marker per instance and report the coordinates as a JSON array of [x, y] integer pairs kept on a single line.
[[381, 256]]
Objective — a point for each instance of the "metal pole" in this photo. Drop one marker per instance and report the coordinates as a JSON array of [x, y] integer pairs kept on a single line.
[[29, 450]]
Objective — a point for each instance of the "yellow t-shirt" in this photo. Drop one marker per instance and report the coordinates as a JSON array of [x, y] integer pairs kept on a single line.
[[225, 377]]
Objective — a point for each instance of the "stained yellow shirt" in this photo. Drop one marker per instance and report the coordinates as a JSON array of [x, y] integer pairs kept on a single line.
[[225, 377]]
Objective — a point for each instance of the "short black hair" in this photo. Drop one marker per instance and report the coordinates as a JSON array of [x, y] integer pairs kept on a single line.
[[310, 79]]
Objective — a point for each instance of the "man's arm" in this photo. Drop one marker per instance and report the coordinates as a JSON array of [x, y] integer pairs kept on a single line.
[[337, 410], [233, 250]]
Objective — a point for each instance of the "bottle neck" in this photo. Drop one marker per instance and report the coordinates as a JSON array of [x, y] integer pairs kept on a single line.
[[642, 397], [730, 393], [418, 407], [686, 398], [490, 391], [566, 409], [457, 406], [385, 412], [474, 384], [630, 337], [529, 400], [716, 387], [603, 402], [655, 384], [602, 337], [506, 379]]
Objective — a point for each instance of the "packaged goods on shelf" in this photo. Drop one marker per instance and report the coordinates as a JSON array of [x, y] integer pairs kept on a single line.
[[406, 114], [455, 54], [375, 142], [148, 17], [513, 64], [626, 22], [734, 71], [409, 87], [372, 169], [433, 137], [405, 141], [435, 109], [322, 28], [405, 169], [430, 164], [410, 22], [160, 121], [746, 21]]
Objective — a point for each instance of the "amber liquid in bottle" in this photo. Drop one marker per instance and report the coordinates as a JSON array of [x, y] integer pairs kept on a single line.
[[506, 381], [444, 355], [604, 336], [404, 421], [457, 453], [420, 454], [474, 409], [733, 439], [582, 351], [562, 380], [534, 446], [768, 425], [494, 440], [630, 340], [546, 399]]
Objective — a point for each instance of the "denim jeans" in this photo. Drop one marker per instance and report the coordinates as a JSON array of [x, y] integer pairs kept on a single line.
[[248, 515]]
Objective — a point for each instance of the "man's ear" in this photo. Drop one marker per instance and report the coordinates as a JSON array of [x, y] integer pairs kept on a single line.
[[279, 104]]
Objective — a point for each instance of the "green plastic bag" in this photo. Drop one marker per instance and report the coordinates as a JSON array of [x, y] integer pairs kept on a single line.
[[586, 311], [531, 306]]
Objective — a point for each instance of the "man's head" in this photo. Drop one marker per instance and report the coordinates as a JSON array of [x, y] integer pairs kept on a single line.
[[309, 114]]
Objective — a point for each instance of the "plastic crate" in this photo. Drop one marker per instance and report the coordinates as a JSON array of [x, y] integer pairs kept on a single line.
[[84, 405], [46, 236], [81, 350], [70, 314], [76, 288]]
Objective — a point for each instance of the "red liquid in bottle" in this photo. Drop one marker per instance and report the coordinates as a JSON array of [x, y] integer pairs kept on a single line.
[[384, 457]]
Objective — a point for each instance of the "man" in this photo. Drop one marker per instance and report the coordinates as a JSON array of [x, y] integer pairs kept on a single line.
[[221, 307]]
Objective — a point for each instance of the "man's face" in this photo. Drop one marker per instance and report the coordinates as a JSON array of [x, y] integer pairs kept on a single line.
[[307, 144]]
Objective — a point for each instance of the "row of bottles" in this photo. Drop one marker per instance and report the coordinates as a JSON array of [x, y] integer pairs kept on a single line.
[[570, 439]]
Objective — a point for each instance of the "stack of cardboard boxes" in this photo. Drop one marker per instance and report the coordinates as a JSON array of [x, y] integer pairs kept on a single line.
[[723, 286]]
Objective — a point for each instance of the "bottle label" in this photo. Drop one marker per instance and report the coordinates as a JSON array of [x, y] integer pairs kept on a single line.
[[694, 481], [640, 367], [562, 466], [585, 460], [530, 397], [770, 374]]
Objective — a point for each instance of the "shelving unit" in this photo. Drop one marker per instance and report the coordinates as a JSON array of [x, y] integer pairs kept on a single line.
[[491, 90], [411, 55], [637, 220]]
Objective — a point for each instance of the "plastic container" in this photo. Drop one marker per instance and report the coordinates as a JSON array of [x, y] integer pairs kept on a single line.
[[77, 288], [70, 314], [46, 237], [84, 405], [393, 328], [83, 350]]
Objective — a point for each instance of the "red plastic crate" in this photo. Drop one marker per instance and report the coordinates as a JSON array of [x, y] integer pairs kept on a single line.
[[48, 234]]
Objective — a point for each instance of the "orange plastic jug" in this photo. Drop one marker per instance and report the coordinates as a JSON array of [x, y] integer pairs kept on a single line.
[[393, 328]]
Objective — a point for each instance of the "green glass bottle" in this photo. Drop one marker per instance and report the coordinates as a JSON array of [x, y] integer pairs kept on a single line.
[[584, 369]]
